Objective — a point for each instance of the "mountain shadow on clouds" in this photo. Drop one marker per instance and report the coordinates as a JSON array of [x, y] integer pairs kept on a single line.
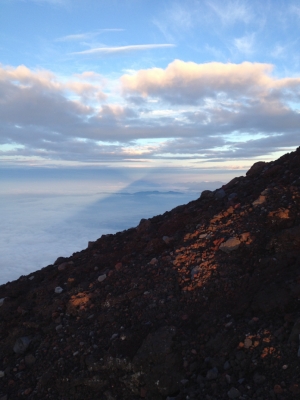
[[123, 210]]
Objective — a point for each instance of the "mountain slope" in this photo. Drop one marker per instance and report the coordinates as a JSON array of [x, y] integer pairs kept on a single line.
[[202, 301]]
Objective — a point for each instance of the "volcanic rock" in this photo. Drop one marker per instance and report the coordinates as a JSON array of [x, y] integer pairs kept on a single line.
[[157, 312], [230, 245]]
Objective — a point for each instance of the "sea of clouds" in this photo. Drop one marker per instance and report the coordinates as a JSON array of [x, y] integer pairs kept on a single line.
[[51, 216], [36, 229]]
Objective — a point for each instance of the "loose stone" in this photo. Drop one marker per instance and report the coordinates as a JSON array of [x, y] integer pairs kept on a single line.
[[233, 393], [232, 196], [278, 389], [212, 374], [21, 345], [230, 245], [195, 271], [62, 266], [259, 201], [29, 359], [226, 365], [220, 194], [167, 239], [258, 379], [101, 278]]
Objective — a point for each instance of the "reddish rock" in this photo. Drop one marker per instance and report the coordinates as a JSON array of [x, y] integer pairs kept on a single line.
[[259, 201], [295, 389], [278, 389], [230, 245], [118, 266]]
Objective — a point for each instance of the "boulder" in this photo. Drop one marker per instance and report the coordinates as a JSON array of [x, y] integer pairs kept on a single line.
[[256, 168]]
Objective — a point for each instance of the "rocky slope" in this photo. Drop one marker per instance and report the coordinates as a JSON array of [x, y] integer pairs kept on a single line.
[[201, 302]]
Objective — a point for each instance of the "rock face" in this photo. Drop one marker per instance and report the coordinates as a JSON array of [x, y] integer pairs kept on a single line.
[[201, 302]]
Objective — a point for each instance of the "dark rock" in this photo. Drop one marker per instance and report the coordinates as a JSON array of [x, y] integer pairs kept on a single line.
[[60, 260], [256, 168], [155, 359], [29, 359], [258, 379], [234, 393], [206, 194], [21, 345], [294, 335], [220, 194], [212, 374]]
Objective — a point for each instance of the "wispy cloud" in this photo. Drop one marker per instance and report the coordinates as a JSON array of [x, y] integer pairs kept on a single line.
[[181, 16], [231, 12], [295, 10], [53, 2], [175, 20], [86, 35], [278, 51], [245, 44], [123, 49]]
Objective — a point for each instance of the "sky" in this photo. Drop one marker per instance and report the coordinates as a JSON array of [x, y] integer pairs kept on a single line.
[[202, 85]]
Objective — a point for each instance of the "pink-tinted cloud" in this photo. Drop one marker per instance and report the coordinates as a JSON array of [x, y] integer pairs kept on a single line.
[[226, 108], [188, 82]]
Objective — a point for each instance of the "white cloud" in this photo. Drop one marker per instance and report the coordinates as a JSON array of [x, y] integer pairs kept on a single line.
[[123, 49]]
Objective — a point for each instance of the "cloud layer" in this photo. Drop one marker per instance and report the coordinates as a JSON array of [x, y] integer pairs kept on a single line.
[[187, 111]]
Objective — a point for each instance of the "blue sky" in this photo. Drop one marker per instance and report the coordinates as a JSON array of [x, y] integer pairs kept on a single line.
[[149, 84]]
